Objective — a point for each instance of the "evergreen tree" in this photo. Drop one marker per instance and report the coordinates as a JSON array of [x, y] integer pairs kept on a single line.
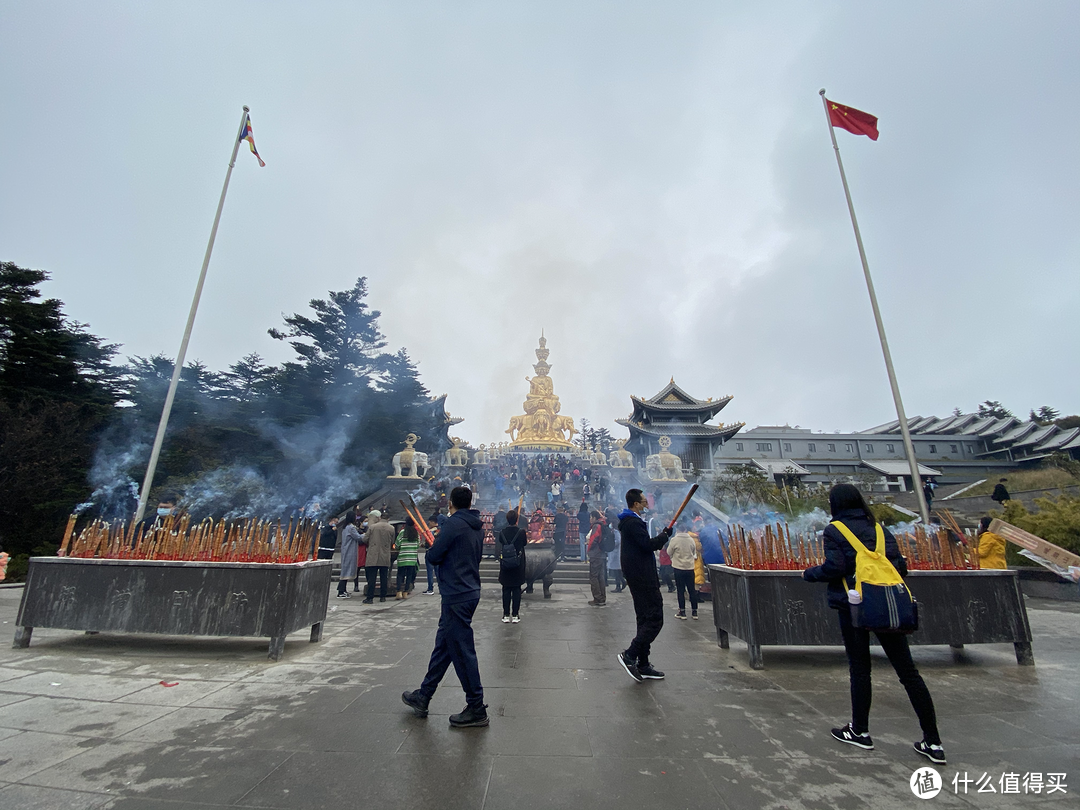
[[993, 408], [57, 389], [1045, 415]]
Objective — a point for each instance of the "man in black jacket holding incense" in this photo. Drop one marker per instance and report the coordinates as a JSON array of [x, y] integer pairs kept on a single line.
[[456, 554], [639, 571]]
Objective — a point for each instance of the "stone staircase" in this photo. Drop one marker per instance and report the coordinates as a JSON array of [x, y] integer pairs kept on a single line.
[[568, 571]]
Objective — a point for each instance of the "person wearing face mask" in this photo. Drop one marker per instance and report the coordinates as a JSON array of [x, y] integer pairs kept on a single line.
[[167, 507]]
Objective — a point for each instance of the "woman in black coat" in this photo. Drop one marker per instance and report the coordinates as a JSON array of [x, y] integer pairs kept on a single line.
[[512, 579], [849, 507]]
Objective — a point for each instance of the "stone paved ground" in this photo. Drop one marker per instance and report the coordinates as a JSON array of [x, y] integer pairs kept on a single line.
[[85, 723]]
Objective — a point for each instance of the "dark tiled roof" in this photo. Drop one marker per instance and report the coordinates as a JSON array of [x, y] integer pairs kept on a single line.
[[682, 429]]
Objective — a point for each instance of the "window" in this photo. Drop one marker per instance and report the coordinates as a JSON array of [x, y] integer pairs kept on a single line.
[[954, 449], [811, 448], [849, 448], [738, 446], [933, 448], [763, 446], [890, 448], [787, 447], [832, 447], [869, 448]]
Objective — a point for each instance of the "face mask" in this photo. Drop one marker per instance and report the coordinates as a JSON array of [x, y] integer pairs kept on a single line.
[[164, 512]]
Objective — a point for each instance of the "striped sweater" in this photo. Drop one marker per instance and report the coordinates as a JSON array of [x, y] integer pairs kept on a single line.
[[408, 551]]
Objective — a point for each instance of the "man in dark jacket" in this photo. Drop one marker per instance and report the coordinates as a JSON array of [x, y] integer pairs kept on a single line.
[[558, 536], [1000, 493], [456, 553], [639, 571], [328, 539]]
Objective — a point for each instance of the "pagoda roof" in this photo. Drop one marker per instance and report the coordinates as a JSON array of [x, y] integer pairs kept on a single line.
[[673, 398], [438, 410], [681, 429]]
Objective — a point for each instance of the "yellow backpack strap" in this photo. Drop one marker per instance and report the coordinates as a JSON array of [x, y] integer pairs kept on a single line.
[[855, 541]]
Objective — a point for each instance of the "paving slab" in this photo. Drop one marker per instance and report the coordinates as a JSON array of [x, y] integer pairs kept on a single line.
[[86, 723]]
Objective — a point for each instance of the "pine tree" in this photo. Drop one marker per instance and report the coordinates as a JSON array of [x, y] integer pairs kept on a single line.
[[57, 390]]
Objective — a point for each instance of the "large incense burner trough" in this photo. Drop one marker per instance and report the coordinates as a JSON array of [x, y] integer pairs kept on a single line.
[[175, 597], [956, 607]]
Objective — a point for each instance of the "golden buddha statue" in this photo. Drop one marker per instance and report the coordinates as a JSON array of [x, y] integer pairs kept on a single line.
[[541, 427]]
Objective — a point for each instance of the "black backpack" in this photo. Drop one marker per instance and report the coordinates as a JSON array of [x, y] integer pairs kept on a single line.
[[607, 539], [509, 558]]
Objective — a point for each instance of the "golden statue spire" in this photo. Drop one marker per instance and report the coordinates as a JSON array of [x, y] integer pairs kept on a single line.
[[541, 427]]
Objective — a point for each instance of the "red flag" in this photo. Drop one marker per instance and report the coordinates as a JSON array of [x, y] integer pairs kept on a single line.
[[855, 121]]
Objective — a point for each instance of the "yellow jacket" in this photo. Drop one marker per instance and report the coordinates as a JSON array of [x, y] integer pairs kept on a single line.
[[699, 564], [991, 550]]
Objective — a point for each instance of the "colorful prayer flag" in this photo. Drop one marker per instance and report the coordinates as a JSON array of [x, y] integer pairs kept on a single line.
[[249, 136], [854, 121]]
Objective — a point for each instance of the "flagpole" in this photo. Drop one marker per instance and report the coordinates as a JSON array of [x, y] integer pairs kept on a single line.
[[909, 448], [159, 439]]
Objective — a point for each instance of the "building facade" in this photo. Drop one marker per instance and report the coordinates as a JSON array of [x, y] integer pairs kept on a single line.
[[957, 449]]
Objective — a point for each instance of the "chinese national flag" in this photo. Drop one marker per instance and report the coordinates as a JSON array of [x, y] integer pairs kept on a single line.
[[855, 121]]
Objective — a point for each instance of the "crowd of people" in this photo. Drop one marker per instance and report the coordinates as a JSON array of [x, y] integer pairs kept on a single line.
[[640, 549], [548, 478]]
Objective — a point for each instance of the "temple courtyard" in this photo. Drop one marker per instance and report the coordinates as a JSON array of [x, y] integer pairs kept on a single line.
[[164, 723]]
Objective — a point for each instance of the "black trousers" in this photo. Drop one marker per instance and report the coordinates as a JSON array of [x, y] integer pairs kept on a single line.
[[511, 600], [666, 576], [684, 581], [383, 572], [454, 645], [649, 610], [620, 583], [895, 645], [406, 576]]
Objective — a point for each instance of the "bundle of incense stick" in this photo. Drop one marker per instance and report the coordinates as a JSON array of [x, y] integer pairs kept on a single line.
[[250, 541], [770, 548], [937, 549], [778, 549]]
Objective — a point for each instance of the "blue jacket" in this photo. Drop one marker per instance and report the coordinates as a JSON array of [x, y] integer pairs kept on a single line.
[[456, 553], [712, 552], [840, 556]]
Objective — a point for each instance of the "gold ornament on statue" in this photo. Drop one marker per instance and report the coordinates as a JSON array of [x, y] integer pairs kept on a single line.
[[541, 427]]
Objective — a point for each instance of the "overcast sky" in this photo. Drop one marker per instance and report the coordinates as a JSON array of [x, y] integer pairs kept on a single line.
[[650, 183]]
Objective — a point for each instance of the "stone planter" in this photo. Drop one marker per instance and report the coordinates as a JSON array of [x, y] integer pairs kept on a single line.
[[175, 598], [955, 608]]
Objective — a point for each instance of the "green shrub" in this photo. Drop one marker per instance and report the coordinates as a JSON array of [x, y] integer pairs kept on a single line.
[[886, 515], [1057, 521]]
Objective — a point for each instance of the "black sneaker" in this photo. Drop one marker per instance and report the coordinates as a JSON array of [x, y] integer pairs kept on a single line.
[[694, 616], [846, 735], [367, 602], [934, 753], [650, 672], [344, 595], [470, 717], [680, 614], [630, 665], [416, 701]]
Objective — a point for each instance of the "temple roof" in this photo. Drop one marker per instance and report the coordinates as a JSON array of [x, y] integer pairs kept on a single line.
[[681, 429], [672, 398], [438, 409]]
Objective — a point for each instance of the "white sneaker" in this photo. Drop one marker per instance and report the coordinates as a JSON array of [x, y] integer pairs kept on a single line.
[[506, 620], [515, 619]]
